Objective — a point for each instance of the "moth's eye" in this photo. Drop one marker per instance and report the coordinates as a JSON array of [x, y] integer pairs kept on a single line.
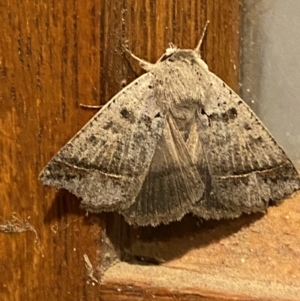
[[167, 58]]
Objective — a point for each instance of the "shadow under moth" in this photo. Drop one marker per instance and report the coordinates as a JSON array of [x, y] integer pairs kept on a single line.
[[174, 141]]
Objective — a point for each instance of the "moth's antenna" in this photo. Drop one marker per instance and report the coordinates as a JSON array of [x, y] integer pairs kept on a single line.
[[202, 37], [144, 64]]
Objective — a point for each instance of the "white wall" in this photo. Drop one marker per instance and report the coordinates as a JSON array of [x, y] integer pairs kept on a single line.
[[270, 74]]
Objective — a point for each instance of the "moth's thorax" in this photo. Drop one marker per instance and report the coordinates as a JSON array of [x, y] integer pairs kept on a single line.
[[185, 75], [182, 81]]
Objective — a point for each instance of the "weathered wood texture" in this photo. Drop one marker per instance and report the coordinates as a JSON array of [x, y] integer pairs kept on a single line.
[[55, 55]]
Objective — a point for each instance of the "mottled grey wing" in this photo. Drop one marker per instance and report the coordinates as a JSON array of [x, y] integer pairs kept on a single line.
[[243, 167], [172, 184], [106, 162]]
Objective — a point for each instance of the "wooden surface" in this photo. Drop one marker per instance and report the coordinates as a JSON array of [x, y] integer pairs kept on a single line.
[[255, 257], [55, 55]]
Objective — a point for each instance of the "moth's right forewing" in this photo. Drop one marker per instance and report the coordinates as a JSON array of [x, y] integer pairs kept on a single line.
[[106, 162], [244, 167]]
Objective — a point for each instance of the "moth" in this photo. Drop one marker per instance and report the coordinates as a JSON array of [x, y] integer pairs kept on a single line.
[[176, 140]]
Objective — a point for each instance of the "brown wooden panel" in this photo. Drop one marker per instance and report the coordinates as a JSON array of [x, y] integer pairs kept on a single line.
[[50, 61]]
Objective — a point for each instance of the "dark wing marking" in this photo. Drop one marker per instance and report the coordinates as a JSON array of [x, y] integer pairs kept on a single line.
[[243, 167], [106, 162], [172, 184]]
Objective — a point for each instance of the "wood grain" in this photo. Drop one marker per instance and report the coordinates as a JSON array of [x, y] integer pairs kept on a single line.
[[55, 55], [50, 61]]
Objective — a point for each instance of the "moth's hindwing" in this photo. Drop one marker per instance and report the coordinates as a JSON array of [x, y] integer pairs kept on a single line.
[[172, 185], [106, 162]]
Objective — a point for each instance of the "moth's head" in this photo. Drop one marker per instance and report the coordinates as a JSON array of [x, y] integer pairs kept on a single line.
[[174, 54]]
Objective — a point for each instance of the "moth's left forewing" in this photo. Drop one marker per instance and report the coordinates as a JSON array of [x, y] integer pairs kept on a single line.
[[244, 167], [106, 162]]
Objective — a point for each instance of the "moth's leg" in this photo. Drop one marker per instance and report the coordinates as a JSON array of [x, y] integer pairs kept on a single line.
[[144, 64], [90, 106]]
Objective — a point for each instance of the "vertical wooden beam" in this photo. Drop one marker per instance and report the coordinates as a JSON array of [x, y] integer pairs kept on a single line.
[[55, 55]]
